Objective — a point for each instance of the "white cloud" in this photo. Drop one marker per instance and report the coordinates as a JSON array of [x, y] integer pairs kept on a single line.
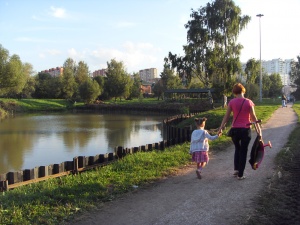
[[58, 12], [135, 56]]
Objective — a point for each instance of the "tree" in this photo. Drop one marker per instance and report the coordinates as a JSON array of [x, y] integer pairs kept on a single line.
[[43, 86], [135, 90], [266, 85], [211, 53], [69, 85], [89, 91], [252, 70], [81, 73], [4, 57], [158, 89], [295, 76], [252, 90], [29, 86], [276, 85], [101, 82], [13, 79], [118, 81]]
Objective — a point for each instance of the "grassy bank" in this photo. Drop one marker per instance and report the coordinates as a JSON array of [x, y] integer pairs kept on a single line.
[[58, 200], [279, 202]]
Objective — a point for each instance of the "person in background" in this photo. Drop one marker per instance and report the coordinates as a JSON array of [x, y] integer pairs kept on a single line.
[[199, 145], [283, 100], [224, 101], [243, 114]]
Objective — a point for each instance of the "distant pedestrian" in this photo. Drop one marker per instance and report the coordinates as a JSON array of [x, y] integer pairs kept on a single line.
[[283, 100], [211, 100], [224, 101], [199, 145]]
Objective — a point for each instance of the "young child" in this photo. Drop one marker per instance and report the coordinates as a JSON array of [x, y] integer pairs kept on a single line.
[[199, 145]]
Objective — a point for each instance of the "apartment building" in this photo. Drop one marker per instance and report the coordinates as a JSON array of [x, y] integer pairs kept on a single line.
[[280, 66], [101, 72], [148, 75], [54, 72]]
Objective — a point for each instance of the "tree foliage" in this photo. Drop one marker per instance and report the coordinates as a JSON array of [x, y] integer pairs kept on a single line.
[[69, 85], [212, 52], [89, 91], [252, 70], [295, 76], [118, 81]]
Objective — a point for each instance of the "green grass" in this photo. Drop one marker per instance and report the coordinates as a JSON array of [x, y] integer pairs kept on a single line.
[[272, 202], [57, 200], [30, 105]]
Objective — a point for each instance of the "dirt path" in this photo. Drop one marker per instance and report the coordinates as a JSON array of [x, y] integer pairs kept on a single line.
[[218, 198]]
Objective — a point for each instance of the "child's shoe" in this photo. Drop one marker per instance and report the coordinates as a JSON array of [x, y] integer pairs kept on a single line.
[[198, 172]]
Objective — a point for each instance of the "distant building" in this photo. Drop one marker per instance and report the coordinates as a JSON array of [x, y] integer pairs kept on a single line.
[[54, 72], [279, 66], [148, 75], [101, 72]]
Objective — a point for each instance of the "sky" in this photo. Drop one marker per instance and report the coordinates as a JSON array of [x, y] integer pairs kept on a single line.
[[140, 33]]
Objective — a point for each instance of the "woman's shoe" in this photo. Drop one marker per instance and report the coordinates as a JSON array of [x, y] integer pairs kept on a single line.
[[235, 173], [241, 178]]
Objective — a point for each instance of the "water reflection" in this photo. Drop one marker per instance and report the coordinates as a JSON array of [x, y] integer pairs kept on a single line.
[[28, 141]]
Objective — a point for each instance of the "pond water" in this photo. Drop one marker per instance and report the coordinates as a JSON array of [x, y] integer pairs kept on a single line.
[[27, 141]]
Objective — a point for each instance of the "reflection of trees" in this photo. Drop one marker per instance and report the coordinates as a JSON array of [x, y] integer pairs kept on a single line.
[[15, 140], [121, 127], [80, 129], [20, 136]]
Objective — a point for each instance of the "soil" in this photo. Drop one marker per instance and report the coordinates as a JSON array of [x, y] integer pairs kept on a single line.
[[268, 195]]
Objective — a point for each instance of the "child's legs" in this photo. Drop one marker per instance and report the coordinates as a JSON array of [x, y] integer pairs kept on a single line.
[[203, 164]]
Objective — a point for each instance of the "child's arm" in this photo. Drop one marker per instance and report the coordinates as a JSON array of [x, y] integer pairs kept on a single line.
[[210, 137]]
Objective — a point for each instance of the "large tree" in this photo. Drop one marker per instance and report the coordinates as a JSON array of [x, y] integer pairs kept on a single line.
[[89, 91], [118, 81], [252, 70], [135, 90], [69, 86], [295, 76], [81, 73], [276, 85], [212, 52]]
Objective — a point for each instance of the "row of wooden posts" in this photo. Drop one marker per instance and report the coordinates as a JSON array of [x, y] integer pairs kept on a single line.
[[175, 136]]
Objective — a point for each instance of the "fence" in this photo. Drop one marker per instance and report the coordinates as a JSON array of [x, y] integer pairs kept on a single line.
[[175, 136]]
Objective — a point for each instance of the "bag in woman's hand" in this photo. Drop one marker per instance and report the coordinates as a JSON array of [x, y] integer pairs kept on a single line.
[[230, 133]]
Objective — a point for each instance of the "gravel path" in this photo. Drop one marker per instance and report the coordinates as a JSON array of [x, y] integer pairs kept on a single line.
[[218, 198]]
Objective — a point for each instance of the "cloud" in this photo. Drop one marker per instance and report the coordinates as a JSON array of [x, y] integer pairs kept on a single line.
[[135, 56], [58, 12]]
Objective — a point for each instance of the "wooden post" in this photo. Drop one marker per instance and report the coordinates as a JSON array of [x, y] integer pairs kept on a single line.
[[43, 171], [111, 156], [120, 152], [75, 165], [15, 177]]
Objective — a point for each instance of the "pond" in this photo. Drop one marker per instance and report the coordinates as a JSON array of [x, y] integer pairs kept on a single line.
[[28, 141]]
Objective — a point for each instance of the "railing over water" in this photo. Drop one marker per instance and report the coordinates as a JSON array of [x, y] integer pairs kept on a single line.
[[16, 179]]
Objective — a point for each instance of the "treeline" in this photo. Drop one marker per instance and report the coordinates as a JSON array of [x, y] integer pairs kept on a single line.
[[211, 59], [17, 80]]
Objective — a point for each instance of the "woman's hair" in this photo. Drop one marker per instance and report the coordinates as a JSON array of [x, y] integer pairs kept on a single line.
[[199, 121], [238, 89]]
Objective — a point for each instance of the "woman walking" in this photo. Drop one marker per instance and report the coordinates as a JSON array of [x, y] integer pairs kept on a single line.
[[243, 114]]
